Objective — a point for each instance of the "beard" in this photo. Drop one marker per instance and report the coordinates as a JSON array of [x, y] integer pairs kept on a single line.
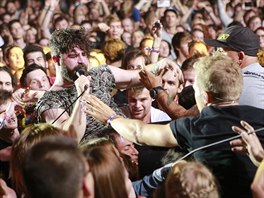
[[72, 75]]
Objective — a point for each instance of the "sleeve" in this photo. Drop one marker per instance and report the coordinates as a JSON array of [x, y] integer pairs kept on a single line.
[[181, 129], [148, 184]]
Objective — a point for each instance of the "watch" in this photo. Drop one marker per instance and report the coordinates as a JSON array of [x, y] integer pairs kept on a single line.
[[155, 91]]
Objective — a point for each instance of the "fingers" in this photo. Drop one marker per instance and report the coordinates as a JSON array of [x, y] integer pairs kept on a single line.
[[248, 127]]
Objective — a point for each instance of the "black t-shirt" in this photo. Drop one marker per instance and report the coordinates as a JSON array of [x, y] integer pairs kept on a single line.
[[234, 171]]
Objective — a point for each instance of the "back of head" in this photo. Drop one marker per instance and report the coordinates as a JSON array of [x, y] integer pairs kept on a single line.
[[62, 41], [219, 75], [190, 180], [114, 49], [107, 168], [29, 137], [54, 168]]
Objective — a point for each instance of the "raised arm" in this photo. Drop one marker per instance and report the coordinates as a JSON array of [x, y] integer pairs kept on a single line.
[[168, 104], [130, 78], [133, 130]]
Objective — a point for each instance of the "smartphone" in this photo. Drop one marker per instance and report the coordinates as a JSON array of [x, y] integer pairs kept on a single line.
[[250, 4], [163, 3]]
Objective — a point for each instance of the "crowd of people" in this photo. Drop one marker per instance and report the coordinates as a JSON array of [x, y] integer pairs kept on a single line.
[[131, 98]]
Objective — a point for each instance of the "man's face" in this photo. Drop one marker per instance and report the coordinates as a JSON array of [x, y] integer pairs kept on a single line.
[[115, 30], [232, 54], [127, 25], [6, 81], [137, 63], [37, 58], [70, 60], [38, 80], [63, 24], [188, 76], [17, 31], [171, 20], [126, 147], [139, 103], [170, 82]]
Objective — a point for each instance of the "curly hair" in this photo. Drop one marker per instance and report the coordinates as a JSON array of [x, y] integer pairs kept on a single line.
[[62, 41]]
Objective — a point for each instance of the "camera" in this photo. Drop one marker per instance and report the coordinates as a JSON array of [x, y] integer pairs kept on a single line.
[[157, 25]]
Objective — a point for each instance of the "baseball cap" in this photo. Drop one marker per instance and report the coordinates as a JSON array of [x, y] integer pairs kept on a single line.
[[238, 38], [172, 9]]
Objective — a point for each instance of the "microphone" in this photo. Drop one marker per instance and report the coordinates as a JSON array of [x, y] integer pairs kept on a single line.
[[81, 70], [78, 71]]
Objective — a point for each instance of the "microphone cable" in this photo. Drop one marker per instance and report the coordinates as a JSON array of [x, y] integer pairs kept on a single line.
[[215, 143]]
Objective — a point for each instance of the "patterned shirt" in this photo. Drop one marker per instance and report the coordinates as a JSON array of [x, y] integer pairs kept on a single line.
[[101, 85]]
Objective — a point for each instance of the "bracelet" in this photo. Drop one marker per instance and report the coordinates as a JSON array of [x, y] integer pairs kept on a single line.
[[111, 118], [155, 50]]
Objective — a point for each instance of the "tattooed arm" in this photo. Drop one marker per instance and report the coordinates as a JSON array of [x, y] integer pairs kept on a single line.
[[168, 104]]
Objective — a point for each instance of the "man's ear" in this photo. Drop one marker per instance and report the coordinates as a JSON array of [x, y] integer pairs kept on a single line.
[[56, 59], [241, 56]]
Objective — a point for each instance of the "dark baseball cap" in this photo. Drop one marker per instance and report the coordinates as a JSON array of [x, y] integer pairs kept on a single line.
[[238, 38], [172, 9]]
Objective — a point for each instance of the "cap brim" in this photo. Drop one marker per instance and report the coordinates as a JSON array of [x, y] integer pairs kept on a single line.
[[214, 43]]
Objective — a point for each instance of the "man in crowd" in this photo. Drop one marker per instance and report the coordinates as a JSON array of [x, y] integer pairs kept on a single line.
[[241, 44]]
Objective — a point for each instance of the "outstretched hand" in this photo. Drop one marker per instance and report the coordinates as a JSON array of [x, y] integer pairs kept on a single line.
[[249, 143], [150, 80], [96, 108]]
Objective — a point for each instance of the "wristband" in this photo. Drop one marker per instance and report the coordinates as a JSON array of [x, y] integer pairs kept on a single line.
[[155, 50], [111, 118]]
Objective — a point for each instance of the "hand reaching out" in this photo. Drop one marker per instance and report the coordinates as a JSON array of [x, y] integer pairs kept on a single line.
[[150, 80], [249, 143]]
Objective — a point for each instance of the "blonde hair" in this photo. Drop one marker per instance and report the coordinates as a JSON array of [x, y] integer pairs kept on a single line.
[[190, 180], [219, 75], [197, 47], [114, 49]]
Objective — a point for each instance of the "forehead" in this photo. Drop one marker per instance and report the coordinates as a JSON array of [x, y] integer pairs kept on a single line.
[[138, 93], [170, 75], [5, 76], [16, 50], [36, 73], [34, 54]]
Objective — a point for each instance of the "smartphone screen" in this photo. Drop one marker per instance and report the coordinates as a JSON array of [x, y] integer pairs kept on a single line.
[[163, 3]]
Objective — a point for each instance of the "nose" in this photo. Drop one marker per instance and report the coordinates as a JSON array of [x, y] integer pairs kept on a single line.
[[137, 104], [81, 59], [134, 151]]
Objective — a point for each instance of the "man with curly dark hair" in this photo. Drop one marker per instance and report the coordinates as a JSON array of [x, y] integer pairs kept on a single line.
[[70, 49]]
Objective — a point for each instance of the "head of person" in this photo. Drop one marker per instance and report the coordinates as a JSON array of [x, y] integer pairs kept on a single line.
[[165, 49], [34, 53], [114, 50], [8, 119], [188, 70], [218, 80], [139, 103], [28, 137], [126, 37], [16, 29], [110, 176], [197, 34], [190, 179], [61, 22], [254, 22], [13, 56], [146, 45], [7, 80], [55, 167], [171, 18], [135, 59], [69, 49], [180, 42], [172, 83], [260, 32], [136, 38], [31, 35], [115, 27], [128, 25], [239, 43], [124, 146], [35, 77], [198, 47]]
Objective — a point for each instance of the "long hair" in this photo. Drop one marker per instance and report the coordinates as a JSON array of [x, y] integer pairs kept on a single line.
[[107, 169]]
